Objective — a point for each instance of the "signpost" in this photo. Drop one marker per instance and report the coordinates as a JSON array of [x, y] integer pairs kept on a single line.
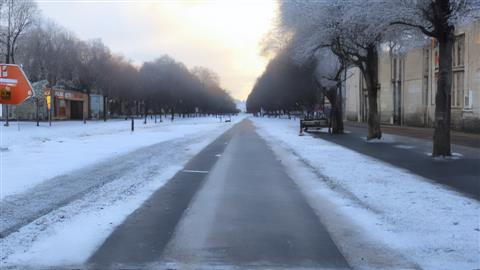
[[48, 98], [14, 85]]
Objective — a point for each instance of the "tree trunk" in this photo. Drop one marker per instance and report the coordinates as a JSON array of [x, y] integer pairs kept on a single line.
[[371, 81], [441, 134], [336, 118], [6, 116], [336, 122]]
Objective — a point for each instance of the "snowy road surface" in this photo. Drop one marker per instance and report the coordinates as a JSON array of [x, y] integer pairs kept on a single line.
[[141, 164], [247, 214], [30, 154], [258, 197], [84, 205]]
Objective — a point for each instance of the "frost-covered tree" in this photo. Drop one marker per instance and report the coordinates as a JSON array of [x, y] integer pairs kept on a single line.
[[437, 19], [328, 76], [283, 86], [208, 77], [50, 52], [353, 30]]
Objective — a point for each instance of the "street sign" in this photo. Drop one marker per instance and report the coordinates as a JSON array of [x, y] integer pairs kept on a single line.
[[14, 85], [49, 102]]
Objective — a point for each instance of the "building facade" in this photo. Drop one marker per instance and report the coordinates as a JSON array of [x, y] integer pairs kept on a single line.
[[408, 85], [66, 105]]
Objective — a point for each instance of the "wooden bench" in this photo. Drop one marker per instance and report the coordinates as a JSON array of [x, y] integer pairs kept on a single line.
[[314, 123]]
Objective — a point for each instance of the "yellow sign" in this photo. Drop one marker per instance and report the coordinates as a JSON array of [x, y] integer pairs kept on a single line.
[[49, 102], [6, 93]]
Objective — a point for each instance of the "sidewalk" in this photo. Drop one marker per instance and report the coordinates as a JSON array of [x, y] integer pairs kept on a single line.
[[410, 149], [460, 138]]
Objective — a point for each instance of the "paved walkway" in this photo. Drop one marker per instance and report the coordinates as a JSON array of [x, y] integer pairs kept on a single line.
[[411, 152], [247, 213], [459, 138]]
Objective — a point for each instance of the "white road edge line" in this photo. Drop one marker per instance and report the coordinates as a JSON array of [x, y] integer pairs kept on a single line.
[[194, 171]]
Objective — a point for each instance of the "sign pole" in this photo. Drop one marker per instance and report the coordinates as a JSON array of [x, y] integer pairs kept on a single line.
[[6, 116], [37, 116]]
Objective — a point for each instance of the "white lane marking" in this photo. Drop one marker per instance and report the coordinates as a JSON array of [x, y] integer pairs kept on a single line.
[[403, 146], [194, 171], [218, 155]]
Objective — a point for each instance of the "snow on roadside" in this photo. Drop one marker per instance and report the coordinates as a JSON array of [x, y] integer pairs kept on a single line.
[[33, 154], [379, 215], [70, 234]]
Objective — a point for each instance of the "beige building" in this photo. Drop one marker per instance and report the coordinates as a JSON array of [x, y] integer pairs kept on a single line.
[[408, 85]]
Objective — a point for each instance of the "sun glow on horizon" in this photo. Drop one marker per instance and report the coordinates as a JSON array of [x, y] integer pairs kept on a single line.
[[231, 30]]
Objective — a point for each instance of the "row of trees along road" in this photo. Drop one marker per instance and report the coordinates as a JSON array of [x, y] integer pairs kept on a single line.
[[273, 89], [49, 52], [327, 37]]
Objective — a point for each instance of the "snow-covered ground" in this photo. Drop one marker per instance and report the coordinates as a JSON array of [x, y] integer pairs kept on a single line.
[[380, 216], [69, 232], [32, 154]]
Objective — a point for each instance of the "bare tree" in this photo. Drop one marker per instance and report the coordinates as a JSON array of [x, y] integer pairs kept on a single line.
[[50, 52], [16, 18]]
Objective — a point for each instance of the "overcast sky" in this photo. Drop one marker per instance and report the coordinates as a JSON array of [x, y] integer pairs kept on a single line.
[[221, 35]]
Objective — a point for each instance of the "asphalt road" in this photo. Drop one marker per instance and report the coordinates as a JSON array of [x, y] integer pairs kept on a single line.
[[232, 207], [461, 173]]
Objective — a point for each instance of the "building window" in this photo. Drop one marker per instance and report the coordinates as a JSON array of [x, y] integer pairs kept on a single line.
[[458, 97], [457, 89], [467, 104], [459, 51]]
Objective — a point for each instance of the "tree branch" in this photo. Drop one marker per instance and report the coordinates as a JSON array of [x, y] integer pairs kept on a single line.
[[422, 28]]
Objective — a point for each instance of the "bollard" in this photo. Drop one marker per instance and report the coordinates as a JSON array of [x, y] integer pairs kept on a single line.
[[133, 125]]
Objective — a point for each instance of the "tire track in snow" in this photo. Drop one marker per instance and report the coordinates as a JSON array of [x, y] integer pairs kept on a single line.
[[20, 209]]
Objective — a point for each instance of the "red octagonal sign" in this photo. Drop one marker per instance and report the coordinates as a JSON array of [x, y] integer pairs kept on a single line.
[[14, 85]]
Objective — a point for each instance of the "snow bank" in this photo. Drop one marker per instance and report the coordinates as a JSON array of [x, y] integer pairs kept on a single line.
[[31, 154], [380, 216]]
